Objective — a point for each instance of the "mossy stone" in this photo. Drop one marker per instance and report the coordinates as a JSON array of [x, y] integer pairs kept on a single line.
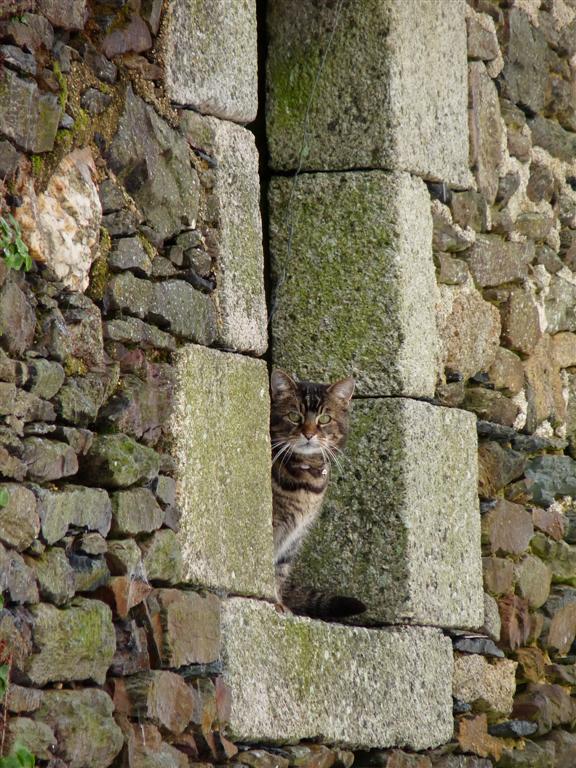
[[117, 461], [72, 643], [88, 736], [400, 527], [292, 678], [162, 557], [55, 575], [365, 86], [221, 444], [353, 287]]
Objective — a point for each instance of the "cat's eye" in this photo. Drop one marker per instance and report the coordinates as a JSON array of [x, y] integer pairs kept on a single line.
[[295, 417], [324, 418]]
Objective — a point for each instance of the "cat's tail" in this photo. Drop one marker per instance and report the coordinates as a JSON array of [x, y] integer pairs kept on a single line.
[[306, 601]]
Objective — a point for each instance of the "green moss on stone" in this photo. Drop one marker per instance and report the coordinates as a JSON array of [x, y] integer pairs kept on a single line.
[[63, 83], [37, 164], [74, 366]]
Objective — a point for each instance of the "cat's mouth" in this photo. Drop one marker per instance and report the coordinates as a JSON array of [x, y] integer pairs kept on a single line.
[[307, 447]]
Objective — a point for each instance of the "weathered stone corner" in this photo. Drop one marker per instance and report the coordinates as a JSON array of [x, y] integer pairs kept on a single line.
[[392, 92], [292, 678], [211, 57], [221, 445], [401, 530], [238, 237], [355, 294]]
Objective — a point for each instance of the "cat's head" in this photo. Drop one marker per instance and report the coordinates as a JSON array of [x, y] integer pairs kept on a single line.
[[309, 419]]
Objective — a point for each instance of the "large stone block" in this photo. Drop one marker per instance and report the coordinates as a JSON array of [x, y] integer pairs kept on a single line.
[[211, 57], [222, 447], [392, 92], [400, 528], [355, 292], [293, 678], [236, 241]]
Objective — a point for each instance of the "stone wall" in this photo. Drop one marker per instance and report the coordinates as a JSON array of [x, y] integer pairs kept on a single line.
[[435, 265]]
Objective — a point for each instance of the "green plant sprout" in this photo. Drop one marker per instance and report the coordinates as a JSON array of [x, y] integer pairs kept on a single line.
[[14, 249], [19, 757]]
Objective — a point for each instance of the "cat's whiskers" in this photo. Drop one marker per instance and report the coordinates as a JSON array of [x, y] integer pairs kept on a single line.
[[282, 452]]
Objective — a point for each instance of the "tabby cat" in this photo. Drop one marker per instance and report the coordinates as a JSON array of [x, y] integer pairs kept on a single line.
[[309, 427]]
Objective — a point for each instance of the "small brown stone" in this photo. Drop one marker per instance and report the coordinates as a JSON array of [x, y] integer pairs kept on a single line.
[[122, 593], [161, 696], [473, 737], [498, 575], [515, 619], [549, 521], [508, 528], [541, 183], [491, 406], [507, 373], [135, 37], [186, 626], [562, 629], [564, 348], [497, 467], [520, 321], [131, 654], [532, 664]]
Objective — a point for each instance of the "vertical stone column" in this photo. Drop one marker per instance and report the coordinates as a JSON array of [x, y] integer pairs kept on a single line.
[[370, 104], [220, 423]]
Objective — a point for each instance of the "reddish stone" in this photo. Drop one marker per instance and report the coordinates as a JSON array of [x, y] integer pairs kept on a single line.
[[135, 36], [508, 527], [162, 697], [122, 593], [131, 654], [549, 521], [562, 629], [515, 619], [473, 737], [531, 663], [185, 626]]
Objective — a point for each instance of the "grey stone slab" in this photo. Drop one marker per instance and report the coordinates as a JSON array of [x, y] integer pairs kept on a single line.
[[400, 528], [211, 57], [392, 92], [293, 678], [221, 445], [237, 238], [27, 115], [355, 293]]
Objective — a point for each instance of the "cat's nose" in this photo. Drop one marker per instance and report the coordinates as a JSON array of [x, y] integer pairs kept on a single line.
[[308, 432]]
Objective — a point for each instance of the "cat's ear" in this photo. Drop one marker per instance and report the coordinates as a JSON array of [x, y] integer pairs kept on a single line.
[[343, 389], [281, 384]]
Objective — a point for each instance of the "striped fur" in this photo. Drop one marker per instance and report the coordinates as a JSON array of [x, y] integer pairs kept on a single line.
[[309, 427]]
